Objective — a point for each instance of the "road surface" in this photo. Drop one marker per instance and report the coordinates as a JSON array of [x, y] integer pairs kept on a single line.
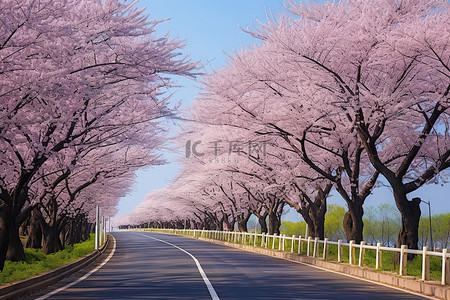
[[159, 266]]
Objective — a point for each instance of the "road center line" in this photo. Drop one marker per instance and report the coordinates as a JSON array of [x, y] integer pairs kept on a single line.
[[211, 290], [81, 278]]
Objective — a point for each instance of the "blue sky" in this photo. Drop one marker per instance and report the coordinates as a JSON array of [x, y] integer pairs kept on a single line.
[[211, 29]]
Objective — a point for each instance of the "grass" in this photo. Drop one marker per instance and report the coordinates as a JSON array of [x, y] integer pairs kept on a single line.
[[38, 262]]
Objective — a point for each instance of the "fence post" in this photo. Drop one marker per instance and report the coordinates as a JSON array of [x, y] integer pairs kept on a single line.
[[403, 259], [351, 252], [263, 240], [362, 251], [292, 245], [307, 249], [299, 244], [254, 241], [325, 249], [315, 246], [445, 268], [378, 257], [425, 264], [273, 242], [339, 251], [279, 241]]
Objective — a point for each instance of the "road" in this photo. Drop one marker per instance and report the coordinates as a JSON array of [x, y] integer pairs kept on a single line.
[[158, 266]]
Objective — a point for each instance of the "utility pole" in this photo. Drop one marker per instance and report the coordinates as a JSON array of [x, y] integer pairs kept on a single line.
[[429, 217]]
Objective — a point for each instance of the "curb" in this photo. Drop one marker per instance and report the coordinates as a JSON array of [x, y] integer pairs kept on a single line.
[[33, 284], [425, 288]]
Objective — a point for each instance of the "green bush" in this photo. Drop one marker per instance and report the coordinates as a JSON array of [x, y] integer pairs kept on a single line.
[[38, 262]]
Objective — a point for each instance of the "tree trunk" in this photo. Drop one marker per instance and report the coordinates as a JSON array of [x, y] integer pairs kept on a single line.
[[311, 227], [409, 231], [51, 241], [35, 235], [242, 220], [219, 225], [274, 222], [11, 247], [15, 248], [262, 222], [4, 241], [319, 225], [229, 223], [353, 223], [242, 226]]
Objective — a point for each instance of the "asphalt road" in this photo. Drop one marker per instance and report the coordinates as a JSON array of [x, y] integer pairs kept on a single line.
[[146, 266]]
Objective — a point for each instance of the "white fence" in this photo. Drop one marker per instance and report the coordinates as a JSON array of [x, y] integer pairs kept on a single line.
[[321, 248]]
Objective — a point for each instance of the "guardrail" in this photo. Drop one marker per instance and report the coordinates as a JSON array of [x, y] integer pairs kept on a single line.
[[350, 252]]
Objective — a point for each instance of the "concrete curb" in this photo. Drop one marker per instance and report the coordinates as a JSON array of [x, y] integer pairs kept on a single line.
[[410, 283], [33, 284]]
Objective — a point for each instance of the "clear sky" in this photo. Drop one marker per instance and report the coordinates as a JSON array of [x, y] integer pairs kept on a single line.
[[211, 29]]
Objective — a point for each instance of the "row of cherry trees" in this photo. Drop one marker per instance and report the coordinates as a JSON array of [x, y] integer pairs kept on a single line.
[[81, 109], [336, 96]]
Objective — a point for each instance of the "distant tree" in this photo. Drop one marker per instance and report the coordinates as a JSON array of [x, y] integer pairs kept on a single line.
[[333, 222], [440, 225], [389, 223], [293, 228]]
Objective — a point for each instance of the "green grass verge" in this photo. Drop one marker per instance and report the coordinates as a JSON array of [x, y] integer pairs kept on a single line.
[[38, 262]]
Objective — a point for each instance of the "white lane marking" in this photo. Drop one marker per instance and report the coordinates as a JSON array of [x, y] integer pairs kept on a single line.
[[81, 278], [211, 290]]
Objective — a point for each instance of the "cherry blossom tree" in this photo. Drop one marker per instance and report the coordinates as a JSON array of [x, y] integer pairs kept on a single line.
[[344, 84], [260, 91], [390, 77], [74, 75]]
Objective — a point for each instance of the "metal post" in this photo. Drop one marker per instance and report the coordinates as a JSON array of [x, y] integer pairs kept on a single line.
[[351, 252], [445, 268], [403, 259], [425, 264], [307, 249], [339, 250], [429, 217], [325, 249], [316, 240], [361, 253], [273, 241], [299, 250], [378, 257], [104, 229], [97, 215]]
